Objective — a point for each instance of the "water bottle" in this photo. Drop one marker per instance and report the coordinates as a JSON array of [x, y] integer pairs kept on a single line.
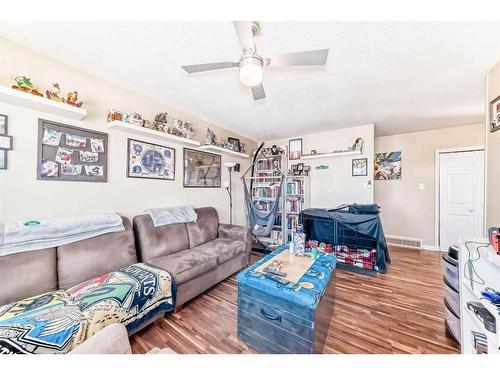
[[299, 241]]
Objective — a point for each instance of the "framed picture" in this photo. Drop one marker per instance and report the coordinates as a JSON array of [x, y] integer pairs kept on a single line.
[[5, 142], [4, 121], [150, 161], [201, 169], [307, 169], [3, 159], [387, 166], [70, 153], [360, 167], [495, 114], [235, 144], [295, 149]]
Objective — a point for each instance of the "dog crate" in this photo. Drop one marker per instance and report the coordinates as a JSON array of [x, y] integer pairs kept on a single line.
[[354, 250]]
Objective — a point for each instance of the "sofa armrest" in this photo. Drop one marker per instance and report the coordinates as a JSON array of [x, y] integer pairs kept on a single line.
[[112, 339], [237, 233]]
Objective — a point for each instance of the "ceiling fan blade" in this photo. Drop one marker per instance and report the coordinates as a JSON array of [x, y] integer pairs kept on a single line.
[[196, 68], [314, 57], [258, 92], [245, 34]]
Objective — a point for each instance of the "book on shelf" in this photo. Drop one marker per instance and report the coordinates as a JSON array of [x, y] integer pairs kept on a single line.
[[265, 191], [295, 187], [267, 165], [294, 205]]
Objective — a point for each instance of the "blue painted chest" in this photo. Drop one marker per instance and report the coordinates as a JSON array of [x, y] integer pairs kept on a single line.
[[293, 318]]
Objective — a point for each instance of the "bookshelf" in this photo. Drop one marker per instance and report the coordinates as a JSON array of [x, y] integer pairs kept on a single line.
[[265, 188], [296, 198]]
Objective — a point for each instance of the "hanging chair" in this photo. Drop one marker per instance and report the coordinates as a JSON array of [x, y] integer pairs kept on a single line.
[[261, 222]]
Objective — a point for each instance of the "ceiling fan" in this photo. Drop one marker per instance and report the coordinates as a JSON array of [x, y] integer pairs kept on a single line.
[[251, 64]]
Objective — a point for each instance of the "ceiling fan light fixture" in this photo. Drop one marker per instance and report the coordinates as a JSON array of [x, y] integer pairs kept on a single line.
[[251, 71]]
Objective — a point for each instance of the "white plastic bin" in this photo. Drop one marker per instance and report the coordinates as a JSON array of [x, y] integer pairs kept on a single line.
[[450, 270], [452, 323]]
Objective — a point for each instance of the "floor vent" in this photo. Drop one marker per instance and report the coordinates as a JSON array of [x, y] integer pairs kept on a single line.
[[404, 241]]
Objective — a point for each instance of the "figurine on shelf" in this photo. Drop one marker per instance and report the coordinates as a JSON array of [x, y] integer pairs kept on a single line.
[[181, 128], [210, 139], [53, 93], [114, 115], [72, 99], [136, 119], [161, 122], [24, 84], [148, 125], [357, 146]]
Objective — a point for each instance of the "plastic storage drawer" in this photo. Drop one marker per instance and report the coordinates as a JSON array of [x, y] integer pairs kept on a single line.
[[452, 323], [452, 299], [451, 271]]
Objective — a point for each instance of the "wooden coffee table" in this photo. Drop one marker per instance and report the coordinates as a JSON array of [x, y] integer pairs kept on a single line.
[[292, 318]]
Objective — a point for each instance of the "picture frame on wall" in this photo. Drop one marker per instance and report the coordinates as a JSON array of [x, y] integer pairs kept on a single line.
[[3, 159], [4, 122], [295, 149], [495, 114], [71, 153], [150, 161], [360, 167], [235, 144], [201, 169]]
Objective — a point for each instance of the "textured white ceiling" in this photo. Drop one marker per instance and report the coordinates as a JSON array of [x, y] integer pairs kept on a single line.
[[402, 76]]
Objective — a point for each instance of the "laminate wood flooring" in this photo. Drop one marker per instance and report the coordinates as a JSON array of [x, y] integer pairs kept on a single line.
[[401, 311]]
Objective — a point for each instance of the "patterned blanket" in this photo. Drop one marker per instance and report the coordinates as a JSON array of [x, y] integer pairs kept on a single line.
[[57, 322]]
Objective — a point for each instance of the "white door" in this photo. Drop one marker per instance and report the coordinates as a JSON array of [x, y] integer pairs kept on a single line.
[[461, 196]]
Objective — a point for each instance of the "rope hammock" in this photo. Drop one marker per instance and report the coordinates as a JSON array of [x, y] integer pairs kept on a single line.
[[261, 222]]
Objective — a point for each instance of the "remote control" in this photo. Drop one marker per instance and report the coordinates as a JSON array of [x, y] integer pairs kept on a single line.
[[278, 279], [274, 272]]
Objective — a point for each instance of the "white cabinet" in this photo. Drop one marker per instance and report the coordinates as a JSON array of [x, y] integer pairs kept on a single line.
[[479, 268]]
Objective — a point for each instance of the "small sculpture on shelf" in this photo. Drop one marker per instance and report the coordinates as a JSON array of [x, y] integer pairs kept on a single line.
[[136, 119], [148, 125], [24, 84], [210, 138], [72, 99], [161, 122], [358, 145], [181, 128], [53, 93]]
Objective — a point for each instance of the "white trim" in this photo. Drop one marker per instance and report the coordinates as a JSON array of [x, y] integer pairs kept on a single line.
[[431, 248], [436, 183]]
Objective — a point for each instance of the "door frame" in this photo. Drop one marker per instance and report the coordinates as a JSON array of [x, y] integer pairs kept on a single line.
[[437, 202]]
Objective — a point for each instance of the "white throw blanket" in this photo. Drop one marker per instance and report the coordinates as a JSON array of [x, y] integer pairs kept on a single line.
[[37, 234], [172, 215]]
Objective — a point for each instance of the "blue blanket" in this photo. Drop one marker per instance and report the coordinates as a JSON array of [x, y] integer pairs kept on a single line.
[[318, 275]]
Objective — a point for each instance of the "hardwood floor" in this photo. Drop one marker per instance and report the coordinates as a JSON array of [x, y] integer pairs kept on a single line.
[[401, 311]]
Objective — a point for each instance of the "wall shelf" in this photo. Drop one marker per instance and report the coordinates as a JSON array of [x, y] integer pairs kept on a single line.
[[224, 150], [38, 103], [331, 155], [138, 130]]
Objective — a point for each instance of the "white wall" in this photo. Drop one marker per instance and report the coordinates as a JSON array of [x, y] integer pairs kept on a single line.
[[407, 210], [334, 186], [23, 196], [492, 154]]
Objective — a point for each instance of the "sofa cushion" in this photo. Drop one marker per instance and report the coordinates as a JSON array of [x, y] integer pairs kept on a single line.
[[83, 260], [186, 265], [224, 249], [153, 242], [27, 274], [205, 228]]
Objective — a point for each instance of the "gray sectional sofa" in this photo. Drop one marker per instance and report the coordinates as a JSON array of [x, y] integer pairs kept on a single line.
[[198, 255]]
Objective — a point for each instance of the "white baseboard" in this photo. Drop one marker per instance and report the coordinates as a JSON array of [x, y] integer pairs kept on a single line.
[[431, 247]]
